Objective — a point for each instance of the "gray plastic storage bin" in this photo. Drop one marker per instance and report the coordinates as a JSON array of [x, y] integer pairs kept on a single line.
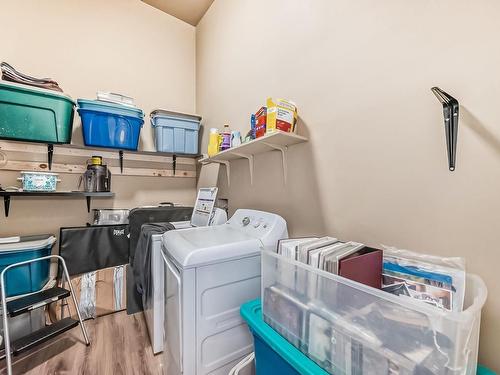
[[350, 328], [176, 132]]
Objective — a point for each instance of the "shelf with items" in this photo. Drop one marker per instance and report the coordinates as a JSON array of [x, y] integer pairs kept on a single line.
[[56, 194], [277, 140], [25, 156]]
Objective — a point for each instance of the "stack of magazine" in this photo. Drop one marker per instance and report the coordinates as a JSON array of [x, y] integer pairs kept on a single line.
[[436, 281], [324, 253], [351, 260]]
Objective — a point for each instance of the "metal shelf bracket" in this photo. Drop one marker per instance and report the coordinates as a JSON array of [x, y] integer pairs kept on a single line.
[[50, 155], [6, 203], [120, 156], [249, 157], [227, 164], [283, 150]]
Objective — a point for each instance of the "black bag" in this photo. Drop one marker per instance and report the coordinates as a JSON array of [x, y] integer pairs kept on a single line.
[[91, 248], [146, 215]]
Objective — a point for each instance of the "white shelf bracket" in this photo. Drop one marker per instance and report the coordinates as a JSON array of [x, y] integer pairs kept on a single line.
[[283, 150], [226, 164], [249, 157], [228, 170]]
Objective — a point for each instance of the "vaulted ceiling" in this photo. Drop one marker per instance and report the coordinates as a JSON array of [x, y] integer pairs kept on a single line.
[[189, 11]]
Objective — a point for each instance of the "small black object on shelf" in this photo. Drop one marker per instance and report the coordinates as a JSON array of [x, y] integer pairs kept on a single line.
[[450, 111], [8, 194]]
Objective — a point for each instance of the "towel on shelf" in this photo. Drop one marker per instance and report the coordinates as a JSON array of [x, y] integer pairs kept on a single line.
[[12, 75]]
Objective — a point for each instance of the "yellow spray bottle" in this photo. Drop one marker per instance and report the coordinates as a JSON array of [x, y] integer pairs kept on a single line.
[[213, 142]]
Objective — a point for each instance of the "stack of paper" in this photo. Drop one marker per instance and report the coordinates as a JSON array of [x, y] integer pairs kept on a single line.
[[112, 97]]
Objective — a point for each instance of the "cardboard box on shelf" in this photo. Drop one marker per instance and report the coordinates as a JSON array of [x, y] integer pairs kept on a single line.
[[281, 115]]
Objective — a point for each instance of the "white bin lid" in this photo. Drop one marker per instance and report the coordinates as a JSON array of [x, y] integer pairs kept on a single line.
[[27, 243]]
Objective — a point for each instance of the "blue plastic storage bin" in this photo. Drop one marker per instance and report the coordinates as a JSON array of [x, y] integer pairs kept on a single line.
[[110, 125], [176, 132], [30, 277]]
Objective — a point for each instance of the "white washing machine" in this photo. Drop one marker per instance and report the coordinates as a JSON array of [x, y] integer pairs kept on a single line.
[[153, 297], [209, 273]]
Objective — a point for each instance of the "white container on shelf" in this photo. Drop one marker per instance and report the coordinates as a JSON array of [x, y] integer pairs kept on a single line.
[[346, 327], [39, 181]]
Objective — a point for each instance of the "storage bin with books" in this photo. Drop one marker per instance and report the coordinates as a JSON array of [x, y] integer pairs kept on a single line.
[[346, 326]]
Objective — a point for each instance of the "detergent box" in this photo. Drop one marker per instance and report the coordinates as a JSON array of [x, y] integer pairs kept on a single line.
[[281, 115], [260, 122]]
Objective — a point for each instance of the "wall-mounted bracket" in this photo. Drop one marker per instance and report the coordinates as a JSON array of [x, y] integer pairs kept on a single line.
[[450, 111], [6, 205], [89, 202], [120, 156], [249, 157], [225, 163], [283, 150], [50, 154]]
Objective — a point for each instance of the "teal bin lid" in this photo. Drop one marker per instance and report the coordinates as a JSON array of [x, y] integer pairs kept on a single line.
[[109, 108], [252, 313]]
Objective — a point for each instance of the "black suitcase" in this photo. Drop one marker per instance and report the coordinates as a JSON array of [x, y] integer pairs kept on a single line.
[[91, 248], [162, 214], [137, 217]]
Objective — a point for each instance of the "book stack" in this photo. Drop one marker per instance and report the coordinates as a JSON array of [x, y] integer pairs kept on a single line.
[[351, 260]]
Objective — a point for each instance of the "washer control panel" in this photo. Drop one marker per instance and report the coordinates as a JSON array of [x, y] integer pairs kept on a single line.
[[259, 224]]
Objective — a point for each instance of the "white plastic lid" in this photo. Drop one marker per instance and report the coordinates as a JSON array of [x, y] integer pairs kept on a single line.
[[40, 173], [28, 243]]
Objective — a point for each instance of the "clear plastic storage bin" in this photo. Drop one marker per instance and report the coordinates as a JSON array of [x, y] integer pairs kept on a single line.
[[349, 328]]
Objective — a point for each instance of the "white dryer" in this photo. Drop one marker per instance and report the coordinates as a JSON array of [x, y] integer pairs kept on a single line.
[[209, 273], [204, 213]]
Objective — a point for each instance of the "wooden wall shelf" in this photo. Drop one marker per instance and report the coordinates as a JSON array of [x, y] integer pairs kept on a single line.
[[55, 194], [25, 156]]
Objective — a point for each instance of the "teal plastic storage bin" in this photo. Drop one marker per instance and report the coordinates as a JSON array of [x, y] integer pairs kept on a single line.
[[273, 353], [176, 132], [30, 277], [481, 370], [34, 114]]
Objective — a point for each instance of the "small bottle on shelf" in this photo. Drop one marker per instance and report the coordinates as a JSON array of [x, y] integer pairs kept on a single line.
[[226, 138], [213, 142]]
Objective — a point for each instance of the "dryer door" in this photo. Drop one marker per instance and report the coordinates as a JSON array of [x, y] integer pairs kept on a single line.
[[173, 319]]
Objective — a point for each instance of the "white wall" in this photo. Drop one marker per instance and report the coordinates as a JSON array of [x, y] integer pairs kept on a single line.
[[375, 168]]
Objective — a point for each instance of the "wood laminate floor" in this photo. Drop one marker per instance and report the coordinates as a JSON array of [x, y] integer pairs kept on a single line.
[[120, 346]]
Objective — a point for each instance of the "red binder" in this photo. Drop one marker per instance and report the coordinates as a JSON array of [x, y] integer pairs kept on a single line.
[[364, 266]]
